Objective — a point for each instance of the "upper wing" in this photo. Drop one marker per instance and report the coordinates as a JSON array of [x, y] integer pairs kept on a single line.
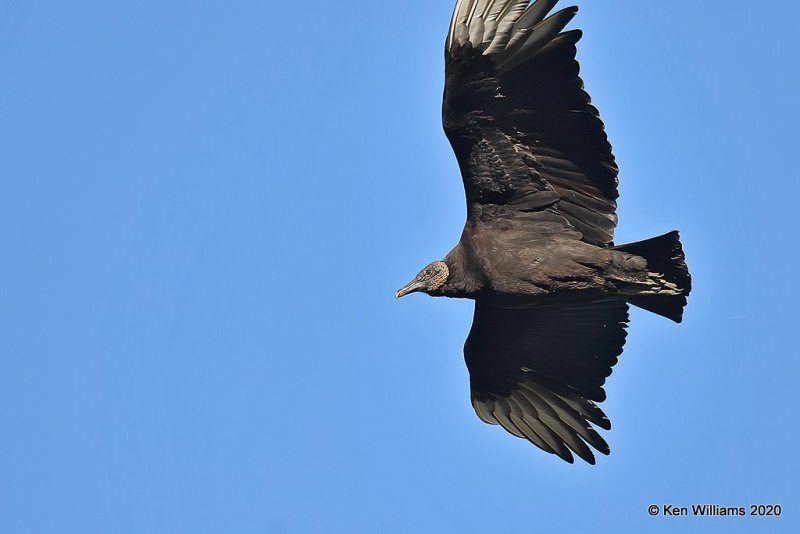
[[536, 371], [522, 127]]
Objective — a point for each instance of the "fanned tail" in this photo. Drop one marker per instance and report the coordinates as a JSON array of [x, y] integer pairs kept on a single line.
[[666, 266]]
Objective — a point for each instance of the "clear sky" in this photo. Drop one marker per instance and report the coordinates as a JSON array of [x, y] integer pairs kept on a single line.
[[205, 209]]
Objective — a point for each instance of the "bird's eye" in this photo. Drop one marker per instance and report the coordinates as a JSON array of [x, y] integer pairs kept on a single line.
[[428, 272]]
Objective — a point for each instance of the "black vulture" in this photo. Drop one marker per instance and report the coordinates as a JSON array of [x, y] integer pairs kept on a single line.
[[537, 255]]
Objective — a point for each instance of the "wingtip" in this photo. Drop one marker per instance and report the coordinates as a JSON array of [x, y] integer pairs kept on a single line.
[[570, 13]]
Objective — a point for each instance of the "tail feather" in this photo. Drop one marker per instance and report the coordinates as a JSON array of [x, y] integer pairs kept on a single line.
[[665, 259]]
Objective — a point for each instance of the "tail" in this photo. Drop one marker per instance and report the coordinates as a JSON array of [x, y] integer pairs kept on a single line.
[[666, 265]]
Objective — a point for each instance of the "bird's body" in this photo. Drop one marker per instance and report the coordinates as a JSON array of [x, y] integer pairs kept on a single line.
[[537, 252], [498, 262]]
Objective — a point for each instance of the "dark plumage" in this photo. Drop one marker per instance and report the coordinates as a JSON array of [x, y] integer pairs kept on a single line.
[[537, 255]]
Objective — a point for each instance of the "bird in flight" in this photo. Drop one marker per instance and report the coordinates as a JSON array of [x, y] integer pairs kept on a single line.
[[551, 289]]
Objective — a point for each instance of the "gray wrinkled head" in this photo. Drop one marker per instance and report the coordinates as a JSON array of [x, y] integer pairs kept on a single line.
[[429, 279]]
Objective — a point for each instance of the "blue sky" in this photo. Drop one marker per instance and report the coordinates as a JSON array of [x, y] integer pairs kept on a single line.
[[206, 209]]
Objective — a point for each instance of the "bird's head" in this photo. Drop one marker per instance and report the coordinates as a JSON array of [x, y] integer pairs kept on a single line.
[[429, 280]]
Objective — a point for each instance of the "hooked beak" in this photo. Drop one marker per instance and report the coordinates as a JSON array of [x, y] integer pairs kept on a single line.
[[411, 287]]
